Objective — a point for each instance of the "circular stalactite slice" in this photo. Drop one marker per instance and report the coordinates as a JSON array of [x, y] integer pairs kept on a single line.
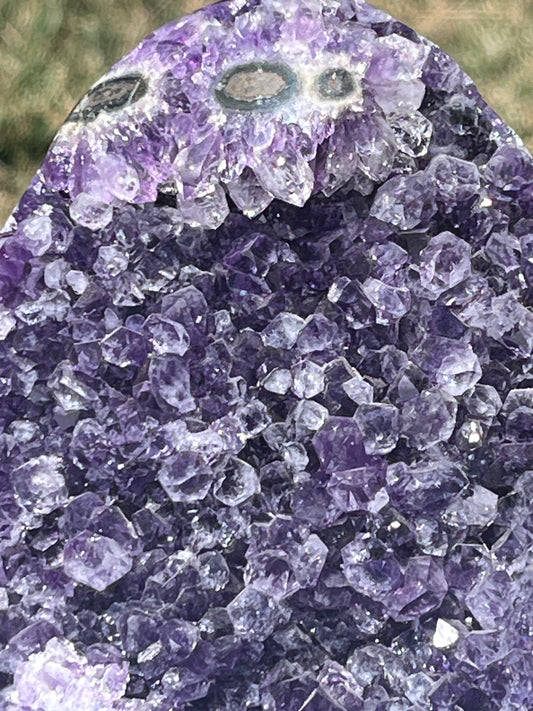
[[109, 96], [258, 86], [335, 83]]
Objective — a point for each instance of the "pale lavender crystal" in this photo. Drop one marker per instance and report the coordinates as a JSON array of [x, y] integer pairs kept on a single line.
[[124, 347], [425, 487], [370, 569], [358, 390], [479, 508], [283, 330], [509, 168], [339, 687], [307, 379], [36, 234], [280, 574], [58, 677], [70, 389], [90, 211], [444, 263], [170, 383], [380, 427], [253, 614], [452, 365], [309, 416], [185, 476], [166, 336], [455, 179], [423, 588], [359, 489], [429, 418], [484, 402], [39, 484], [390, 302], [96, 561], [318, 334], [110, 261], [278, 381], [405, 202], [236, 483], [180, 638], [339, 445], [266, 408], [485, 600]]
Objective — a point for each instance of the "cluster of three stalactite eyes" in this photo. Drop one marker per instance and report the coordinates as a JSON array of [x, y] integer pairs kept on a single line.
[[256, 86]]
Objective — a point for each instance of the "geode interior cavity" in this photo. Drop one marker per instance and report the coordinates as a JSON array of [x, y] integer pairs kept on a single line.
[[265, 372]]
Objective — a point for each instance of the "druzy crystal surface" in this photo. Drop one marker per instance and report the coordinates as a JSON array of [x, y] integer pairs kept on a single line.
[[265, 371]]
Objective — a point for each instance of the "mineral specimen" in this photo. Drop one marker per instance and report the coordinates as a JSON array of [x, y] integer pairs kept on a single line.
[[266, 415]]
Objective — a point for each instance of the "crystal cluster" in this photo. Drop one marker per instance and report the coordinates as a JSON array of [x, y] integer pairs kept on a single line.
[[266, 415]]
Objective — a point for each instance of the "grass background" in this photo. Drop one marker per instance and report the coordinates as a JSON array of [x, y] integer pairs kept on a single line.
[[51, 51]]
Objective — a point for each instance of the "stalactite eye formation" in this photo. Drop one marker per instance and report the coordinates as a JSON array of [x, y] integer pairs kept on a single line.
[[256, 86], [110, 95], [335, 83]]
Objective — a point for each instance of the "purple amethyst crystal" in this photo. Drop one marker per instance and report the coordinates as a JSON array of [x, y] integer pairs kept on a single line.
[[266, 393]]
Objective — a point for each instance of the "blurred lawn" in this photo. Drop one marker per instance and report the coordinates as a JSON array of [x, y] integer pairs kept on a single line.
[[51, 51]]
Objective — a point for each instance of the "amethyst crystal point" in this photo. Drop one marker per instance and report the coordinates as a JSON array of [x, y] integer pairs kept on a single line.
[[96, 561], [266, 422]]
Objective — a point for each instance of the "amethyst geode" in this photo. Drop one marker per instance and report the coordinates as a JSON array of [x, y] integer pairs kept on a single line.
[[266, 378]]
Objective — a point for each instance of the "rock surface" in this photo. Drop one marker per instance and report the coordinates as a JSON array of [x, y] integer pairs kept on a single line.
[[266, 415]]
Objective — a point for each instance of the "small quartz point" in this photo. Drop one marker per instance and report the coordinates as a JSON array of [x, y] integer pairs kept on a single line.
[[39, 485], [446, 635], [96, 561]]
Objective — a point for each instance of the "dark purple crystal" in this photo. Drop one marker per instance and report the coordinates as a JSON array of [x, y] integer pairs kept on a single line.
[[266, 404]]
